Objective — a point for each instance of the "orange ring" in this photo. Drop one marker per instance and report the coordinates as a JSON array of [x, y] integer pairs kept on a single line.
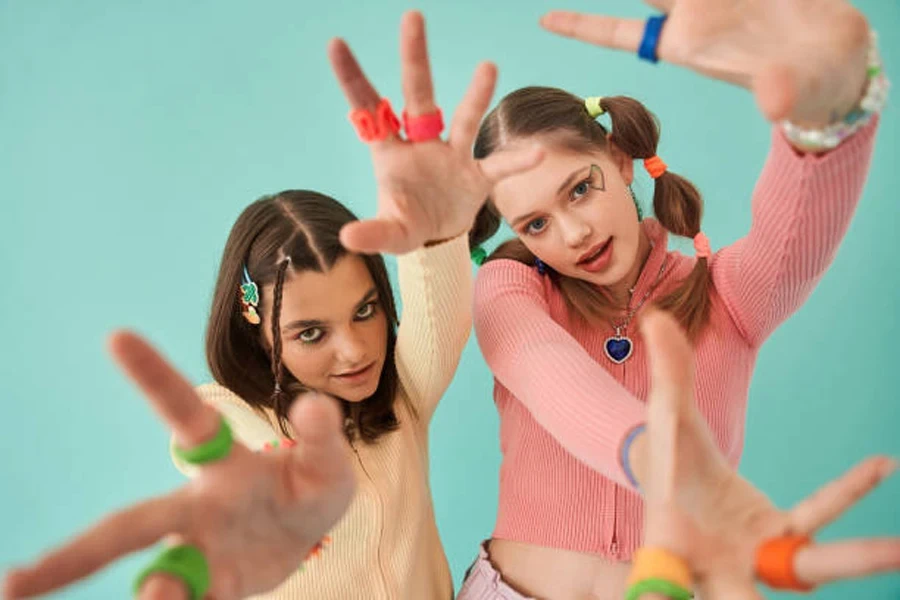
[[775, 562]]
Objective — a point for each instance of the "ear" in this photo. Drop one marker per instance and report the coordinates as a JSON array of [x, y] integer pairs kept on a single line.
[[623, 162]]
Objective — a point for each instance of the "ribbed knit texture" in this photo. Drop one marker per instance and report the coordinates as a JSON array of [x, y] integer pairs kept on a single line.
[[565, 407]]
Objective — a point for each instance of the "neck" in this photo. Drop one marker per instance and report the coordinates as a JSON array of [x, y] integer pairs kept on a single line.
[[621, 290]]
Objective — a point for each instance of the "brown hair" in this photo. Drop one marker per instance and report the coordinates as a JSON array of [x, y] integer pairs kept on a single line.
[[542, 111], [294, 230]]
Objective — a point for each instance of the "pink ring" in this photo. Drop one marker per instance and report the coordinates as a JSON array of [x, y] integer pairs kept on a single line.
[[423, 128], [377, 126]]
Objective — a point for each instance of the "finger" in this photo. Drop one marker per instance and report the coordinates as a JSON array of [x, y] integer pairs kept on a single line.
[[161, 586], [320, 468], [822, 563], [775, 90], [318, 430], [611, 32], [832, 500], [729, 586], [360, 93], [418, 89], [316, 419], [671, 360], [671, 390], [504, 164], [376, 236], [173, 397], [119, 534], [467, 118], [661, 5]]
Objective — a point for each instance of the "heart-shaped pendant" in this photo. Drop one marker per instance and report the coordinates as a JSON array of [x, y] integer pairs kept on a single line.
[[618, 348]]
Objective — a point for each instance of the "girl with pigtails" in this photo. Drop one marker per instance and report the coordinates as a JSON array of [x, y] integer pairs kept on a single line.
[[555, 308]]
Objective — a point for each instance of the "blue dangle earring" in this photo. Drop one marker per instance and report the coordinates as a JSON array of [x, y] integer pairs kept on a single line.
[[541, 267]]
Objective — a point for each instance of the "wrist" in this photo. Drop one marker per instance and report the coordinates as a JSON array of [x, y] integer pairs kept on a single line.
[[848, 114], [443, 240]]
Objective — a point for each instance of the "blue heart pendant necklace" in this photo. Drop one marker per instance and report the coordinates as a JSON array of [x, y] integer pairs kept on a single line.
[[619, 347]]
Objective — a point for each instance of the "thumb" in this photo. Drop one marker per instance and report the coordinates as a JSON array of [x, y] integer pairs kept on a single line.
[[671, 361], [671, 392], [775, 90], [316, 420], [507, 163], [377, 235]]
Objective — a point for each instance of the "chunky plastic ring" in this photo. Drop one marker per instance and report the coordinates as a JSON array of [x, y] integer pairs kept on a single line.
[[186, 563], [652, 29]]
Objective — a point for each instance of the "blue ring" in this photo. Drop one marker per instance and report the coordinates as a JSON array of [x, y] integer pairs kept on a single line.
[[652, 29]]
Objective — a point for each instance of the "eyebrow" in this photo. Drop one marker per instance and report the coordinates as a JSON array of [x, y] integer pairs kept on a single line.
[[515, 222], [310, 323]]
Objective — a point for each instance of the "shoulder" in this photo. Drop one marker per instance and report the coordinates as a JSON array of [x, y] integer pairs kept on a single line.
[[501, 275]]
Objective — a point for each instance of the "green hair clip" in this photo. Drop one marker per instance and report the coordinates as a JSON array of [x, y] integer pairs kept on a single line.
[[249, 298]]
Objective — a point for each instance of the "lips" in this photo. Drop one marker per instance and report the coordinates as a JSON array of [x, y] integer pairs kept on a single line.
[[597, 258], [357, 373], [594, 252]]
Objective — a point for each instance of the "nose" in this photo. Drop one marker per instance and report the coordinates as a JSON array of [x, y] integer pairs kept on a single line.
[[575, 232], [351, 348]]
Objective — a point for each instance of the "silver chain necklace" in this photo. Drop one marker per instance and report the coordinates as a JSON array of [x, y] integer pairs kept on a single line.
[[619, 347]]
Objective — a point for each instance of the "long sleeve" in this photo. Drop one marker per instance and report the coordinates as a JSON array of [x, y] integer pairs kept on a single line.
[[248, 426], [566, 391], [802, 207], [436, 292]]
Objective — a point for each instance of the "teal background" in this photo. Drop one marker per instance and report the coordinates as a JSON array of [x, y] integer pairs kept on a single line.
[[133, 133]]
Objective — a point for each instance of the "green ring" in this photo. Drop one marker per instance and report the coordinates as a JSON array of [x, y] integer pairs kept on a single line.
[[659, 586], [186, 563], [211, 450]]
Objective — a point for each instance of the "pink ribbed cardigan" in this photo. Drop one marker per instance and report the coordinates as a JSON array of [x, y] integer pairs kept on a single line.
[[565, 408]]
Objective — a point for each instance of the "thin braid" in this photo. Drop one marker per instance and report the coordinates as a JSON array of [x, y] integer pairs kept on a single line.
[[276, 330]]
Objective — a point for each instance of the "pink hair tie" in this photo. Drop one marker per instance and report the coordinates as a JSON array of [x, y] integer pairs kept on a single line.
[[423, 128], [701, 245], [655, 166]]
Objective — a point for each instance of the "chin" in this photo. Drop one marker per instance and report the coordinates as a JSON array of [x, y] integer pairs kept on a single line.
[[360, 393], [611, 276], [357, 395]]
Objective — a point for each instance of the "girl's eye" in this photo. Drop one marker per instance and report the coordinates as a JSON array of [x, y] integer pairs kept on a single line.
[[367, 310], [311, 336], [536, 226], [581, 189]]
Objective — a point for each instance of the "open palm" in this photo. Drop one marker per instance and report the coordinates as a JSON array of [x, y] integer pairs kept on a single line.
[[805, 60], [427, 191], [254, 516], [699, 508]]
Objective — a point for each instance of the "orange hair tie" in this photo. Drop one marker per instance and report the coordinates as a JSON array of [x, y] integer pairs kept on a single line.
[[655, 166], [701, 246], [775, 562]]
